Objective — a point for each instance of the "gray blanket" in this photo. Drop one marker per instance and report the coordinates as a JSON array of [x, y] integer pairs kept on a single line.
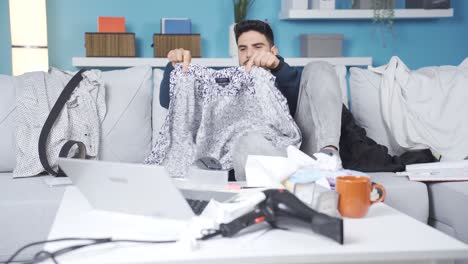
[[210, 110]]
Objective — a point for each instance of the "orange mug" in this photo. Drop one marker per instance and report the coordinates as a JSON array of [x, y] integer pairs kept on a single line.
[[355, 195]]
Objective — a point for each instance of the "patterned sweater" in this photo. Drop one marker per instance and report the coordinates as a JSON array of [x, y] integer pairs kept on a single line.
[[210, 110]]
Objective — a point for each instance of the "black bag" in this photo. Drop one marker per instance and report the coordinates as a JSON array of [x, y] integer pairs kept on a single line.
[[53, 115]]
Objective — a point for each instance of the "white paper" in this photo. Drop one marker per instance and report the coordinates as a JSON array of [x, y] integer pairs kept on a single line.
[[268, 171]]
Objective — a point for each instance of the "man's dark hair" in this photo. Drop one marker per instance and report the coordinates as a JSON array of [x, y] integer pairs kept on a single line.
[[254, 25]]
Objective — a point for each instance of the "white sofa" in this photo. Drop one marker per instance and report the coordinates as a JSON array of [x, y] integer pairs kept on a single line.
[[28, 205]]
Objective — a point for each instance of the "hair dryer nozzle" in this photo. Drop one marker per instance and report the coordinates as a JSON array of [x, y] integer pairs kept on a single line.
[[328, 226]]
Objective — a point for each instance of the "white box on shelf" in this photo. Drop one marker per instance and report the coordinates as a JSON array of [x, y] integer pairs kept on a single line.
[[294, 4], [322, 4]]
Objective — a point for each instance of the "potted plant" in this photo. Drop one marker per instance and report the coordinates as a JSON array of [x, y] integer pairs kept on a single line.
[[383, 10], [241, 7]]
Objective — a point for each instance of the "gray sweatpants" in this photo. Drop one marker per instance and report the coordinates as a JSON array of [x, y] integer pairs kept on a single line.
[[318, 116]]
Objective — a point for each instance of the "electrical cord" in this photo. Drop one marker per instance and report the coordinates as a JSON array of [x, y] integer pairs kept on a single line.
[[209, 233], [53, 255], [44, 254], [10, 260]]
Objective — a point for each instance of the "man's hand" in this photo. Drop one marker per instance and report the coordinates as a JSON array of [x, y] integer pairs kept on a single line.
[[180, 55], [264, 59]]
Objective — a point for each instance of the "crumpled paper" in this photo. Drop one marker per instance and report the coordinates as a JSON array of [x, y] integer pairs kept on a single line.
[[272, 171], [311, 179]]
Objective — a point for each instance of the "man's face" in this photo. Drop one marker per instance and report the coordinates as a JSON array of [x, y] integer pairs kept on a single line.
[[250, 42]]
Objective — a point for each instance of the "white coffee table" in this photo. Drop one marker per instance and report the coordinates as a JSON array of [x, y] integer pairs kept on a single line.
[[384, 236]]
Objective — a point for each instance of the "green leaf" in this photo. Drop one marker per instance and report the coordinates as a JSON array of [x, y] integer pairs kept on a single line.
[[241, 8]]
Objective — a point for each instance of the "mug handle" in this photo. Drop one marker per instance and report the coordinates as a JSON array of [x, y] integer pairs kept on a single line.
[[381, 191]]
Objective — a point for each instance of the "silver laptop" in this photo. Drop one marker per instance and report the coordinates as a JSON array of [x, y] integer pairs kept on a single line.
[[135, 189]]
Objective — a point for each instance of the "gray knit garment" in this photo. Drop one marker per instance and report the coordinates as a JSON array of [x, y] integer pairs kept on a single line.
[[210, 110]]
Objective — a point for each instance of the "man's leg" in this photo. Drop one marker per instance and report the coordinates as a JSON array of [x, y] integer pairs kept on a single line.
[[318, 116], [319, 105], [252, 144]]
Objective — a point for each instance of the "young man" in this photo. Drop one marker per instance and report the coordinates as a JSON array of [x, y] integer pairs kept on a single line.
[[314, 100]]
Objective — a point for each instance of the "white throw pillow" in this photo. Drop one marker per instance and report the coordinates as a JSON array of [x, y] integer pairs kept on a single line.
[[366, 108], [126, 129], [7, 125], [159, 112]]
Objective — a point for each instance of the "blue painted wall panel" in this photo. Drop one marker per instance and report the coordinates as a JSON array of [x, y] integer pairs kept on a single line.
[[5, 38], [418, 42]]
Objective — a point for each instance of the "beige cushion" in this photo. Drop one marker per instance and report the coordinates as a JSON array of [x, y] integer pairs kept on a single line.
[[126, 129]]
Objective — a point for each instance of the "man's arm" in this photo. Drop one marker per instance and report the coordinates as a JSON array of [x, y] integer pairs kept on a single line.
[[288, 80], [164, 88]]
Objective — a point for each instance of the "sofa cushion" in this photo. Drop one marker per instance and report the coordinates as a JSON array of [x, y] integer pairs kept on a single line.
[[365, 106], [126, 129], [407, 196], [7, 128], [448, 203], [159, 112], [27, 207]]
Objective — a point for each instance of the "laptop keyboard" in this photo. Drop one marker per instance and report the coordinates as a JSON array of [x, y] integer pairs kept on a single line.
[[197, 205]]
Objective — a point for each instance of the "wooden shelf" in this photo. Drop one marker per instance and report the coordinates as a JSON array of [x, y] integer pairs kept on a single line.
[[363, 13], [210, 62]]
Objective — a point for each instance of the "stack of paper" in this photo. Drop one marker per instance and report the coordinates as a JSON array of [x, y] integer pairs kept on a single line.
[[438, 171]]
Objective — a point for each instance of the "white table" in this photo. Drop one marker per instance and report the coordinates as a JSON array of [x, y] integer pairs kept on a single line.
[[384, 236]]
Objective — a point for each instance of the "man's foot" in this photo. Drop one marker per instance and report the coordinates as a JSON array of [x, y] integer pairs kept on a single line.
[[328, 158]]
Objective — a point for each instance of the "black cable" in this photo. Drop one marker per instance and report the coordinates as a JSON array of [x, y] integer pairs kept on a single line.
[[103, 241], [44, 242], [144, 241], [65, 250], [209, 233], [43, 254], [49, 255]]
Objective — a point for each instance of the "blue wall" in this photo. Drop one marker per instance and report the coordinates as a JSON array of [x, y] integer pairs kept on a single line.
[[418, 42], [5, 39]]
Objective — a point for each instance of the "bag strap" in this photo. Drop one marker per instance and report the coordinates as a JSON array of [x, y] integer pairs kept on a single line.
[[49, 123]]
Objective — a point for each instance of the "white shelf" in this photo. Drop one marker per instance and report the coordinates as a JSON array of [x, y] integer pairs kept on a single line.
[[363, 13], [210, 62]]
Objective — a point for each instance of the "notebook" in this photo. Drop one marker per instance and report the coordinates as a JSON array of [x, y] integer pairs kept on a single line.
[[438, 171]]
